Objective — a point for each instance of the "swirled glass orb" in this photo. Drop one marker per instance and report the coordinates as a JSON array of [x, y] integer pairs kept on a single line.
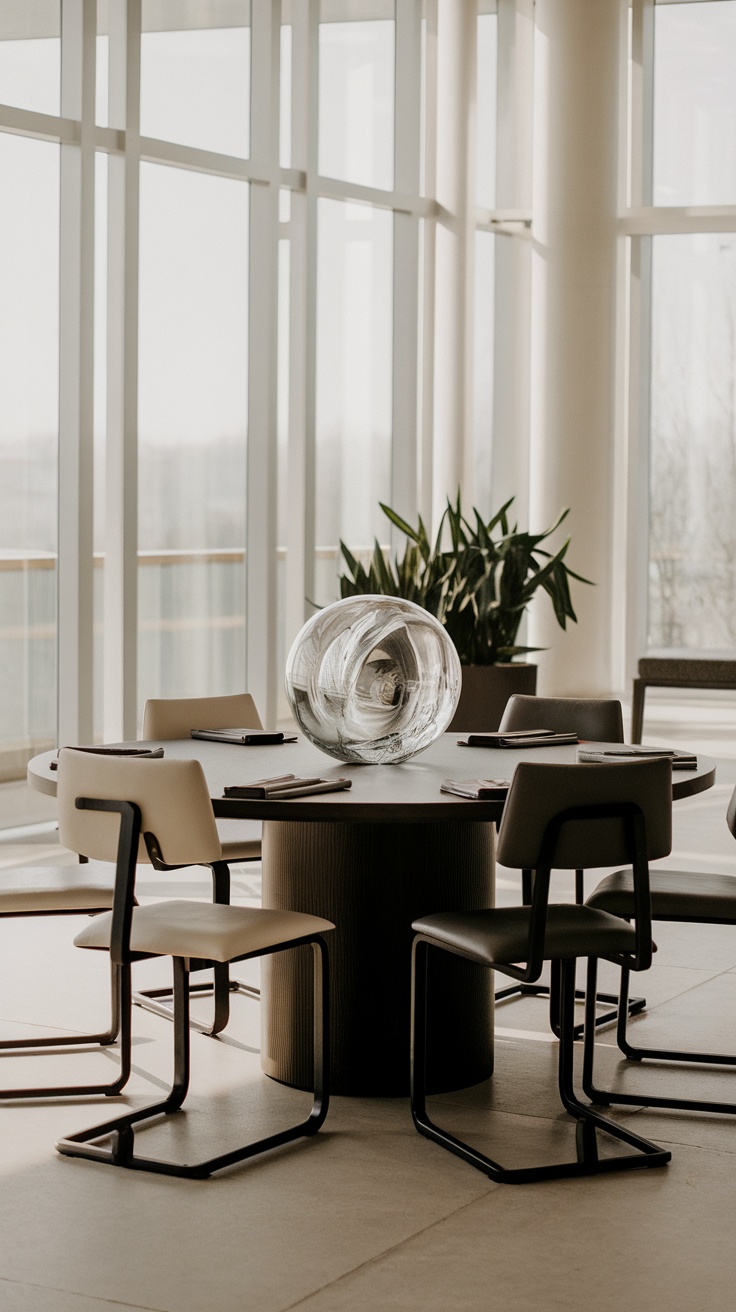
[[373, 679]]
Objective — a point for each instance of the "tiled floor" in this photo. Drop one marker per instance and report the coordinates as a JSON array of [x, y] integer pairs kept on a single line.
[[369, 1216]]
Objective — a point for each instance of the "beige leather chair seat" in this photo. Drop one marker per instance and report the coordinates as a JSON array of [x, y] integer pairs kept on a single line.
[[204, 930], [52, 889]]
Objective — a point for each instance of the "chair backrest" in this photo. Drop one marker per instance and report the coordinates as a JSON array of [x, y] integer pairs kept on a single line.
[[173, 717], [173, 798], [597, 719], [539, 792], [571, 817]]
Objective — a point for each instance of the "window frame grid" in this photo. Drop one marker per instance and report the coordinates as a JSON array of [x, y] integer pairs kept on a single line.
[[419, 459]]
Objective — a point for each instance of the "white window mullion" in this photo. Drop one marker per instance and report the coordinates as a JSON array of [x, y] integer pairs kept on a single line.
[[453, 339], [121, 502], [76, 354], [300, 546], [513, 258], [425, 470], [404, 473], [640, 331], [262, 467]]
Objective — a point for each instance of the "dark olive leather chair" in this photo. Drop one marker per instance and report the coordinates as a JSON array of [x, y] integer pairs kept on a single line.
[[593, 719], [682, 897], [557, 817], [596, 719]]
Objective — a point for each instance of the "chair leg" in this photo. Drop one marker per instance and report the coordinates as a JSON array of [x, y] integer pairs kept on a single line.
[[608, 1097], [121, 1133], [588, 1121], [160, 1000], [608, 1000], [120, 1023]]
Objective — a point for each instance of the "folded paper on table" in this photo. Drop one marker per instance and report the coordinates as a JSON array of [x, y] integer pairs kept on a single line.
[[151, 753], [680, 760], [477, 789]]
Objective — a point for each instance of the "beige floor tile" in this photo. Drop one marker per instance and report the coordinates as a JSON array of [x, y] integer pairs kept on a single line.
[[16, 1297], [263, 1236], [368, 1215], [652, 1240]]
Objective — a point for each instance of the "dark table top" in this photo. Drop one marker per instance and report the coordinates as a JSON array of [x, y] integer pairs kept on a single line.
[[409, 792]]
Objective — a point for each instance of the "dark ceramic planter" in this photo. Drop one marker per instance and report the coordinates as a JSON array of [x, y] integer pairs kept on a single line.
[[485, 692]]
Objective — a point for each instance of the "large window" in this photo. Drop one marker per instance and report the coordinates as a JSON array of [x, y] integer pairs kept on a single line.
[[192, 425], [684, 327], [258, 327], [29, 355]]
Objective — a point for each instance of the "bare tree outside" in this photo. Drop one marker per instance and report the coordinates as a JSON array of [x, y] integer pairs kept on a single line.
[[692, 555]]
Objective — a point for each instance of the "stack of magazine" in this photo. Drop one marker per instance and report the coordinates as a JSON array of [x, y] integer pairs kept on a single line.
[[680, 760]]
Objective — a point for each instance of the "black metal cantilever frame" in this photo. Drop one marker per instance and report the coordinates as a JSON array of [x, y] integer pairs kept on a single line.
[[552, 991], [222, 985], [120, 1026], [120, 1130], [609, 1097], [588, 1161]]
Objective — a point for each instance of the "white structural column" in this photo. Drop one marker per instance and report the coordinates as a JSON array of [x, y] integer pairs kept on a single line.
[[121, 496], [577, 76], [76, 351], [453, 331], [261, 612]]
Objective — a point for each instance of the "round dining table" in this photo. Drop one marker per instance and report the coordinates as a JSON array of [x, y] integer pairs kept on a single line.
[[372, 860]]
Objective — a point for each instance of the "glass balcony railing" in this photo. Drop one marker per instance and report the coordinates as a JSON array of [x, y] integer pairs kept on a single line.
[[191, 635]]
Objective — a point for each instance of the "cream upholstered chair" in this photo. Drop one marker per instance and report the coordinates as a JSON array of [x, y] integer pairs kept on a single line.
[[137, 810], [68, 891], [165, 718], [557, 817], [597, 719]]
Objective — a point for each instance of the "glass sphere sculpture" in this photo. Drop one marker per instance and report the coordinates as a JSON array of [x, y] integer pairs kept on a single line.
[[373, 679]]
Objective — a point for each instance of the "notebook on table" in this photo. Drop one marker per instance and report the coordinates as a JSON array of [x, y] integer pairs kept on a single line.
[[285, 786], [244, 737], [519, 738]]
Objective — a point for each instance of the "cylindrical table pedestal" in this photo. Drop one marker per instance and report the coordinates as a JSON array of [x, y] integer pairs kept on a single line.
[[372, 881]]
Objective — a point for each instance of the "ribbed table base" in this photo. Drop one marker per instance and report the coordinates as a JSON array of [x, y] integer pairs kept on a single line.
[[372, 881]]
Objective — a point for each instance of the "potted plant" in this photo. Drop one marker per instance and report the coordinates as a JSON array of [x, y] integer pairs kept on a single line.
[[478, 587]]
